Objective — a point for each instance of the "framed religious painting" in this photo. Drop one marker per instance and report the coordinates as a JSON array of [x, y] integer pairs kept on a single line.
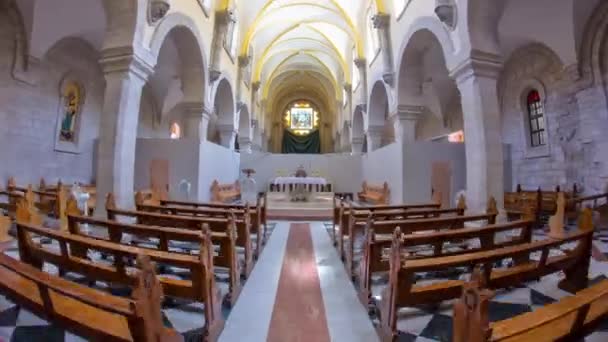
[[69, 116]]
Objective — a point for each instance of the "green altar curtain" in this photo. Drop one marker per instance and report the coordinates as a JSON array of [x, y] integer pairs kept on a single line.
[[307, 144]]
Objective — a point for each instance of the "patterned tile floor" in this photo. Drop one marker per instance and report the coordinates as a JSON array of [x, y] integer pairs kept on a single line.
[[415, 324], [19, 325], [435, 324]]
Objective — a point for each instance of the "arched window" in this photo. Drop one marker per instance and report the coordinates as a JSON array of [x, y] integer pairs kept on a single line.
[[176, 131], [536, 118]]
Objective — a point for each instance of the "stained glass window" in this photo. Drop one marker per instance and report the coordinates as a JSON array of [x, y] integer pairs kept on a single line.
[[301, 118], [536, 117]]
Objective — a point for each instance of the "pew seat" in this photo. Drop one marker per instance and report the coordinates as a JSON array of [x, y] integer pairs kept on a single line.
[[101, 316], [569, 319]]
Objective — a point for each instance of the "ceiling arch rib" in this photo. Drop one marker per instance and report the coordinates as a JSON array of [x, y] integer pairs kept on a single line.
[[316, 61]]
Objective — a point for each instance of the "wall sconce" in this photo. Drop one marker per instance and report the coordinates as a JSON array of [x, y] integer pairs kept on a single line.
[[446, 12]]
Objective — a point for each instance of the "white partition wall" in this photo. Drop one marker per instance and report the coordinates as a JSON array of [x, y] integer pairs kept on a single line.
[[183, 159], [385, 165], [216, 162], [342, 170], [199, 163], [418, 161]]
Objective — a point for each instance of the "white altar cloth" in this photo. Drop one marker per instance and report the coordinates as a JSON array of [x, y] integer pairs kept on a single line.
[[300, 180]]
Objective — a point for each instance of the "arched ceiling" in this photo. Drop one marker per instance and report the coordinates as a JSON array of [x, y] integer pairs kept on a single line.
[[301, 43]]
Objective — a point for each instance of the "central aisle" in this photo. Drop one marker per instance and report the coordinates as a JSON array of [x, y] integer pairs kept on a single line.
[[299, 291]]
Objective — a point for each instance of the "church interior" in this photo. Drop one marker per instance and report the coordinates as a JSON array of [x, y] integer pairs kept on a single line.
[[303, 170]]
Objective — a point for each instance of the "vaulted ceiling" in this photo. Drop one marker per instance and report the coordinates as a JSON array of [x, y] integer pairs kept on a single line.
[[301, 43]]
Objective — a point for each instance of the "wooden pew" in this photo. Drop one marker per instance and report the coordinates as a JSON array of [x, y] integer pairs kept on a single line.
[[342, 212], [357, 221], [402, 290], [116, 231], [569, 319], [376, 247], [225, 193], [544, 201], [87, 312], [216, 224], [5, 226], [257, 213], [374, 193], [598, 203], [72, 257]]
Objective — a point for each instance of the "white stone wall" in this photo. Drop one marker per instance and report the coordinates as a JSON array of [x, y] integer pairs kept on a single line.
[[29, 114]]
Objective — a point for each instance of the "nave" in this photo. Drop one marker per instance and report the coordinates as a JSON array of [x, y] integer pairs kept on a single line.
[[308, 283]]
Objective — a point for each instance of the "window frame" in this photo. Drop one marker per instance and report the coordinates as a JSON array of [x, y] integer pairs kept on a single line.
[[530, 150]]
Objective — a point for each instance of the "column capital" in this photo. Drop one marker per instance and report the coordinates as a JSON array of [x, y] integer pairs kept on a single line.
[[357, 140], [409, 112], [381, 20], [360, 63], [226, 128], [374, 130], [244, 61], [479, 63], [124, 59], [195, 110], [255, 86], [361, 107]]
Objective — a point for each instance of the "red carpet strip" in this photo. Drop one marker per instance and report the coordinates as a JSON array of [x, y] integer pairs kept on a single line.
[[299, 312]]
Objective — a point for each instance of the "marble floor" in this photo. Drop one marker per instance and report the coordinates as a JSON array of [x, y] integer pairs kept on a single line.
[[299, 291]]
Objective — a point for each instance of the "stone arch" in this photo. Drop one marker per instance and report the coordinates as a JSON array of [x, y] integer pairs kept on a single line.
[[185, 35], [245, 133], [533, 67], [435, 28], [20, 46], [424, 86], [379, 129], [358, 126], [378, 105], [225, 122], [594, 48]]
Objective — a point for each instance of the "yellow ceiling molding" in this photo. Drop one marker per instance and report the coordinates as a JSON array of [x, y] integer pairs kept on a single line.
[[381, 6], [356, 36], [268, 83], [262, 59], [330, 45], [223, 4]]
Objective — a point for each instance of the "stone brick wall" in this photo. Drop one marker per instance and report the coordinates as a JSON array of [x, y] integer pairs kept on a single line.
[[29, 114], [574, 139]]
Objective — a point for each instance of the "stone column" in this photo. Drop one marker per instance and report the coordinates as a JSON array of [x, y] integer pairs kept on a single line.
[[404, 122], [264, 142], [361, 64], [374, 138], [227, 135], [245, 144], [196, 121], [357, 145], [222, 19], [125, 77], [382, 22], [476, 78]]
